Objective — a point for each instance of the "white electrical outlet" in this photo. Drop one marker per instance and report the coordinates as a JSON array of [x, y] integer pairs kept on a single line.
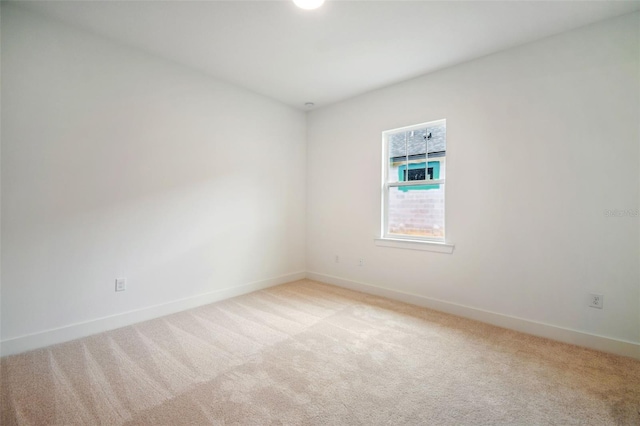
[[596, 300], [360, 262], [121, 284], [337, 259]]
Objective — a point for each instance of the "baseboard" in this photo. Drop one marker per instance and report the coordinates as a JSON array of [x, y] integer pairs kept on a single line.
[[575, 337], [78, 330]]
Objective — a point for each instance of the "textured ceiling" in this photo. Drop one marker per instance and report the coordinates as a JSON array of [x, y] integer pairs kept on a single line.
[[338, 51]]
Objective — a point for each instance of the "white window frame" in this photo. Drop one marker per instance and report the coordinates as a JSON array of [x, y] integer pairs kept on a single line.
[[387, 239]]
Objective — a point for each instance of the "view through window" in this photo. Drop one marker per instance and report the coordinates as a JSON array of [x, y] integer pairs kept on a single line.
[[414, 182]]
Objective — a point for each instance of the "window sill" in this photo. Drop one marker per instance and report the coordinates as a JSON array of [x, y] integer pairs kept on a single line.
[[415, 245]]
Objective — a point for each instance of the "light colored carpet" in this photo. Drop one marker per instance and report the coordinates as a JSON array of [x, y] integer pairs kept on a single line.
[[310, 353]]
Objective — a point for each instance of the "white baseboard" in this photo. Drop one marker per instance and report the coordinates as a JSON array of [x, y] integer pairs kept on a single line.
[[75, 331], [575, 337], [83, 329]]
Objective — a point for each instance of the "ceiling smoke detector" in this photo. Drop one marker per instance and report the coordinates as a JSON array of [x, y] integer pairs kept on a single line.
[[308, 4]]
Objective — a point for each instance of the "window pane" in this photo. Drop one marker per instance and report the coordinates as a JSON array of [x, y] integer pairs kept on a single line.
[[397, 157], [436, 150], [417, 211]]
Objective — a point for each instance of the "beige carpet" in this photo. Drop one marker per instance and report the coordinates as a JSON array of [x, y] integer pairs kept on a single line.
[[310, 353]]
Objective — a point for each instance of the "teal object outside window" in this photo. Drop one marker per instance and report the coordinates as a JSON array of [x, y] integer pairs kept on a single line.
[[419, 171]]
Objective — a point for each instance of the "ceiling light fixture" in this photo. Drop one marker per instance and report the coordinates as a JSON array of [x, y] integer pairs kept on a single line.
[[308, 4]]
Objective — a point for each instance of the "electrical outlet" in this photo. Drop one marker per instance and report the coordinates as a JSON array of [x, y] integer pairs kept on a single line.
[[360, 262], [337, 259], [121, 284], [596, 300]]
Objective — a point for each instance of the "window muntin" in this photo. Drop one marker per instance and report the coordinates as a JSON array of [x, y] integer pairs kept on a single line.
[[414, 182]]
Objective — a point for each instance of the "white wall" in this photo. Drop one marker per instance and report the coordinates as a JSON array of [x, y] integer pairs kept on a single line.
[[116, 163], [541, 139], [119, 164]]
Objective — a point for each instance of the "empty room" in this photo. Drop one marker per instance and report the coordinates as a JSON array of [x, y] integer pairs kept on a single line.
[[320, 212]]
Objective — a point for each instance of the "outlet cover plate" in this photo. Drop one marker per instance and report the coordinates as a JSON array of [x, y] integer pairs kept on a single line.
[[121, 284], [596, 300]]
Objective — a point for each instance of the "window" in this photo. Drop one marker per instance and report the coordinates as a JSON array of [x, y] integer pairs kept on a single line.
[[413, 186]]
